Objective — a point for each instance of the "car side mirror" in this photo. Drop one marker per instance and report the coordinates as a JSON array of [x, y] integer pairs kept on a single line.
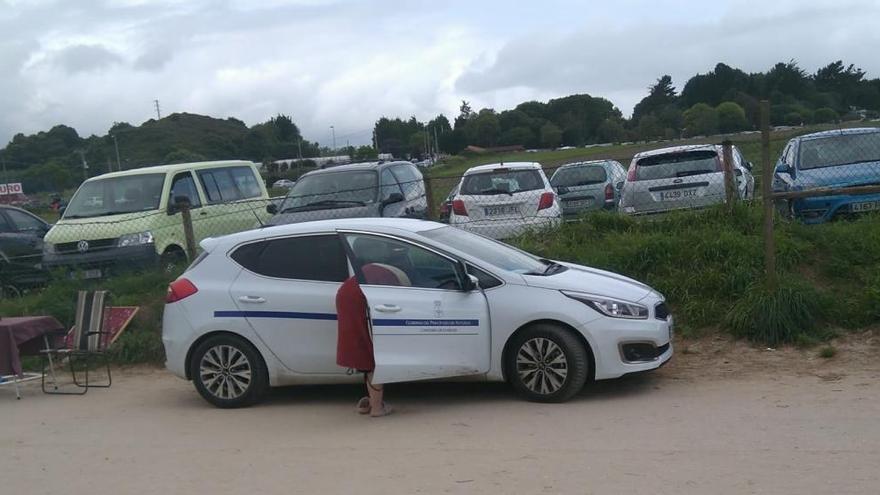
[[271, 208], [391, 199], [619, 185], [474, 282], [178, 204], [783, 168], [562, 190]]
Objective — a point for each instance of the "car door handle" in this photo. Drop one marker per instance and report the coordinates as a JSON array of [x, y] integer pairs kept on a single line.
[[387, 308], [252, 299]]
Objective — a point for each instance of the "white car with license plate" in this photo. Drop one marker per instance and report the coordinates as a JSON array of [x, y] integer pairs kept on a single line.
[[682, 177], [504, 200], [257, 309]]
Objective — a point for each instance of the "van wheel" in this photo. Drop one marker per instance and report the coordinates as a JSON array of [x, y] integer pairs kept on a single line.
[[229, 372], [172, 259], [9, 292], [546, 363]]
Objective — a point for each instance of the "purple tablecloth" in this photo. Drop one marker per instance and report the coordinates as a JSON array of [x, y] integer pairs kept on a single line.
[[18, 332]]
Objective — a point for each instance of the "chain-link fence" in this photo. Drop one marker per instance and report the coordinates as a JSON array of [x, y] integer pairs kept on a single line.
[[817, 178]]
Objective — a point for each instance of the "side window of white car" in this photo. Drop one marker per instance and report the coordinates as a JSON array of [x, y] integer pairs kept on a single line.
[[383, 261], [317, 257], [388, 185]]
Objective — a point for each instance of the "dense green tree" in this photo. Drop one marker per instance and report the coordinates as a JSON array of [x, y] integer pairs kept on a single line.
[[731, 118], [825, 116], [551, 135], [521, 135], [649, 128], [612, 131], [700, 120], [660, 95]]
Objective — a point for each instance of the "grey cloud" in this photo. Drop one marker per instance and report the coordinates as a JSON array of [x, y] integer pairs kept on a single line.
[[85, 58]]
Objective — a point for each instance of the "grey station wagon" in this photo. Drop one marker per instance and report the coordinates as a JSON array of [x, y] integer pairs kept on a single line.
[[585, 186], [383, 189]]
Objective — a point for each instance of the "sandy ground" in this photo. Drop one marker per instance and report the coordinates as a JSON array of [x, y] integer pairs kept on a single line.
[[722, 418]]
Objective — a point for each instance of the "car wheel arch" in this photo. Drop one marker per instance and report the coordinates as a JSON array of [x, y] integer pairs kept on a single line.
[[583, 340], [196, 343]]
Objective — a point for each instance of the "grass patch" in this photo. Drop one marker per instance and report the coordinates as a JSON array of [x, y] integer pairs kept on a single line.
[[774, 316], [827, 352]]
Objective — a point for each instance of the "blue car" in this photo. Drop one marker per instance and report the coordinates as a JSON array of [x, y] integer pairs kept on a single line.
[[830, 159]]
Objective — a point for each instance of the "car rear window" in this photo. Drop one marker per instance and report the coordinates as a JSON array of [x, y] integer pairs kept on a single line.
[[579, 176], [317, 257], [501, 181], [681, 164]]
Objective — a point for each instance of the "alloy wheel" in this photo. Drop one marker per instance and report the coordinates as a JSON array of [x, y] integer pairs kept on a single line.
[[541, 365], [225, 371]]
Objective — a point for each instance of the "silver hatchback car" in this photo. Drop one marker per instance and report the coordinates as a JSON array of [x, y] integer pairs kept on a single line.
[[682, 177], [586, 186]]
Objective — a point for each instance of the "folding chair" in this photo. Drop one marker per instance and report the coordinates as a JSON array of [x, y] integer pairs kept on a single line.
[[88, 342]]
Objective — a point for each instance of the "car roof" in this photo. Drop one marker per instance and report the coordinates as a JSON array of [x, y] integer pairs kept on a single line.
[[838, 132], [678, 149], [357, 166], [378, 225], [586, 163], [509, 165], [177, 167]]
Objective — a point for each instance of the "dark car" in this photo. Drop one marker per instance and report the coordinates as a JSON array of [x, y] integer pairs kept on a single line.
[[389, 189], [21, 250]]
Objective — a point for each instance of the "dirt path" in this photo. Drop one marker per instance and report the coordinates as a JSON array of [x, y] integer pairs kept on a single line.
[[698, 426]]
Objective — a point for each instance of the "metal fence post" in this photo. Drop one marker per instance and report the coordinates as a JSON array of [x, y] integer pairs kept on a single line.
[[729, 179], [767, 172], [186, 217], [429, 197]]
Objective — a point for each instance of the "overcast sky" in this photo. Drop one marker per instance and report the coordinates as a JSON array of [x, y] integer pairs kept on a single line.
[[88, 63]]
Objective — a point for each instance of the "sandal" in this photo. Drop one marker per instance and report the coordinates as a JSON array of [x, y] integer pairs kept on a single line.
[[385, 411], [363, 406]]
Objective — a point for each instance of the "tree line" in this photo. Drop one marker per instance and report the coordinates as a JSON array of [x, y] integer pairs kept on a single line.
[[723, 100]]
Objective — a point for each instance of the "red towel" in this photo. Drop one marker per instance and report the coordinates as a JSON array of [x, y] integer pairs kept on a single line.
[[354, 344]]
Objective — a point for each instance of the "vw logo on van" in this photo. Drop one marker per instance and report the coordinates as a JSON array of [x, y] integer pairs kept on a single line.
[[82, 246]]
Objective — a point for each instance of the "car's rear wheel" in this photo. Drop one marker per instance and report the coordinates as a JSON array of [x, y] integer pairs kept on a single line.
[[229, 372], [547, 363]]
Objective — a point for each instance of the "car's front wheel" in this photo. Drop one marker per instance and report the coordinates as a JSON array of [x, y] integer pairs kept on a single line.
[[547, 363], [229, 372]]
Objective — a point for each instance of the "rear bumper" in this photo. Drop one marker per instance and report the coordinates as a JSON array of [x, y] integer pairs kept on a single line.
[[824, 208], [116, 258], [505, 229]]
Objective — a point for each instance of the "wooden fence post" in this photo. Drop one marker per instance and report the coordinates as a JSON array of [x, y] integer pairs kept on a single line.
[[729, 177], [767, 173], [186, 217]]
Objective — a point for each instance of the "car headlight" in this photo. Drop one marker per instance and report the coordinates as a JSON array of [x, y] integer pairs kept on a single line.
[[48, 248], [614, 308], [138, 239]]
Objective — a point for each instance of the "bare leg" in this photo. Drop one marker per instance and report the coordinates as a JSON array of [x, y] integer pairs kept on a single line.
[[377, 393]]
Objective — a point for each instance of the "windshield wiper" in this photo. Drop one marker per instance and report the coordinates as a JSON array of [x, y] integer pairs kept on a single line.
[[694, 172], [325, 202], [495, 191], [552, 268]]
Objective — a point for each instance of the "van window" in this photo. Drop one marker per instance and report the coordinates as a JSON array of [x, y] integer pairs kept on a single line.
[[229, 184], [410, 180], [388, 184], [184, 185], [116, 195], [318, 257]]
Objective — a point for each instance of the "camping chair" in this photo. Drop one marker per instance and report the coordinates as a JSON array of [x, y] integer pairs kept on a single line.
[[88, 342]]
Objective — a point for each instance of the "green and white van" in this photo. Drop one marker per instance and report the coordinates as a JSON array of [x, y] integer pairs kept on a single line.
[[129, 219]]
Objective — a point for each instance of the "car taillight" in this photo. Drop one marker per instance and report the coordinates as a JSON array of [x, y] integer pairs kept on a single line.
[[546, 201], [609, 193], [631, 173], [180, 289], [458, 208]]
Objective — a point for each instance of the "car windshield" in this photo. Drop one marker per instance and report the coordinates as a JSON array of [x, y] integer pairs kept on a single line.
[[492, 252], [674, 165], [332, 189], [501, 181], [582, 175], [843, 149], [116, 195]]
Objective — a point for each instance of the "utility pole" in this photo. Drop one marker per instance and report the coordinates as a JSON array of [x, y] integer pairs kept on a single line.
[[333, 132], [82, 157], [5, 175], [116, 145], [436, 146], [158, 114], [299, 145]]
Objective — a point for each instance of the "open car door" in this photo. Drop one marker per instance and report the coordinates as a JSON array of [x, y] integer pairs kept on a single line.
[[426, 325]]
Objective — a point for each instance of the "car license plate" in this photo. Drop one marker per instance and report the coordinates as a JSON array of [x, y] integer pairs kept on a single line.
[[87, 274], [866, 206], [678, 194], [580, 203], [496, 211]]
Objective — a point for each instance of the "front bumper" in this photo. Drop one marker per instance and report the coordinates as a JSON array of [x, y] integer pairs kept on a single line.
[[613, 337], [110, 259], [822, 209]]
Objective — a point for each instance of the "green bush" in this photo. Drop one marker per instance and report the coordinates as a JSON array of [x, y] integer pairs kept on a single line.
[[779, 315]]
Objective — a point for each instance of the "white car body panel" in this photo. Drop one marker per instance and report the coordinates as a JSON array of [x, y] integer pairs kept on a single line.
[[452, 346]]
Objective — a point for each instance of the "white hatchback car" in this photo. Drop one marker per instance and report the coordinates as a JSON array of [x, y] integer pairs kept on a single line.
[[504, 200], [257, 309]]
